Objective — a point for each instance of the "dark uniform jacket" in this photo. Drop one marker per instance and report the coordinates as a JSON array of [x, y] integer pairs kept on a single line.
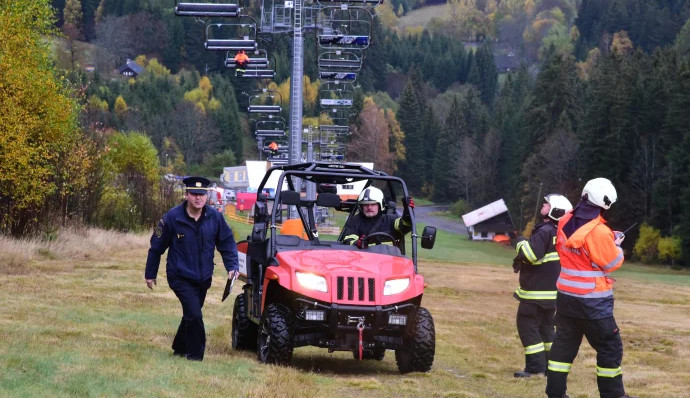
[[359, 225], [191, 244], [539, 266]]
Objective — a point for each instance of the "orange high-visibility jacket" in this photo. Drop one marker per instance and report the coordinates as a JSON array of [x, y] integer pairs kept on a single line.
[[588, 256], [241, 58]]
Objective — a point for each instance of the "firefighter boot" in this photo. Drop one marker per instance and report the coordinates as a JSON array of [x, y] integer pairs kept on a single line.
[[535, 365]]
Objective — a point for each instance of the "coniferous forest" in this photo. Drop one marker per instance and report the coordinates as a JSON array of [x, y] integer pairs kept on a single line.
[[509, 99]]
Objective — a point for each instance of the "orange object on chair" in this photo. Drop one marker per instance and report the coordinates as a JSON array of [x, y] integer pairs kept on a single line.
[[293, 226]]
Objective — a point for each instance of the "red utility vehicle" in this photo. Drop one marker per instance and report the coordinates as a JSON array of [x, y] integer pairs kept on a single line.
[[323, 293]]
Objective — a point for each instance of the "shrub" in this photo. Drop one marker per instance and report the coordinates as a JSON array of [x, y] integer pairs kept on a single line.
[[646, 247], [459, 208], [527, 231], [670, 249]]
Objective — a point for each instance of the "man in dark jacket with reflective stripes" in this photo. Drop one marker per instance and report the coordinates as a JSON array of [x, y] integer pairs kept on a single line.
[[191, 232], [537, 262], [371, 219]]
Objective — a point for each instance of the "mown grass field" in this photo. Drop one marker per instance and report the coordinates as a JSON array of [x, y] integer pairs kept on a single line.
[[77, 320]]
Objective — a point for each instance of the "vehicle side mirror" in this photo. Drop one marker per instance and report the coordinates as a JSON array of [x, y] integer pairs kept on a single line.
[[428, 237]]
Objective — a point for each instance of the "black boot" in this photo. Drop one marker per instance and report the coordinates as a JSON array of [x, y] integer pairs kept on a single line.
[[524, 373]]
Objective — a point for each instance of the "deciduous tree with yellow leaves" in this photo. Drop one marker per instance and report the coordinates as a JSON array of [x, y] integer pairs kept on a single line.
[[38, 121]]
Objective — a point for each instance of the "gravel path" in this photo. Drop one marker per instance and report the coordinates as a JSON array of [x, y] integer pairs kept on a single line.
[[423, 215]]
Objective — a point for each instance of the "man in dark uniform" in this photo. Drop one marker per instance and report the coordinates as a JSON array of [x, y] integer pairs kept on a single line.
[[191, 230], [370, 219], [539, 266]]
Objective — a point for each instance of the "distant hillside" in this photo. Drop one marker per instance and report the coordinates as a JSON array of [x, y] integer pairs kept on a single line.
[[421, 16]]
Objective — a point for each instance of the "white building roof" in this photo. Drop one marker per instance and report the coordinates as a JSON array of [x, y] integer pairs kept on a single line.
[[484, 213]]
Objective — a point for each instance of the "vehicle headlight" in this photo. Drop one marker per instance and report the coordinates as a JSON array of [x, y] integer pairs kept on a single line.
[[395, 286], [311, 281]]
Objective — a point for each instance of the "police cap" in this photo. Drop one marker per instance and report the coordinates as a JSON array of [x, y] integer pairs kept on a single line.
[[197, 185]]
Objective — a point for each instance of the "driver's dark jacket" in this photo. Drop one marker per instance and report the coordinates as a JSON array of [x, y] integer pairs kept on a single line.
[[359, 225], [191, 244]]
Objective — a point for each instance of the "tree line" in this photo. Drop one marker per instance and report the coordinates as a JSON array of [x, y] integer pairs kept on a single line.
[[598, 103]]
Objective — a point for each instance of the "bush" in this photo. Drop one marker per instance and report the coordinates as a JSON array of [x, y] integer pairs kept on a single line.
[[646, 247], [527, 231], [459, 208], [670, 249]]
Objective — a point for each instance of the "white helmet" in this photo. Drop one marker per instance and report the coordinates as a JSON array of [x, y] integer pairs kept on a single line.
[[600, 192], [371, 195], [559, 205]]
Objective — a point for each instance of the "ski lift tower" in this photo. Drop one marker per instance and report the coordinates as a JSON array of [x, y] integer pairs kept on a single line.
[[296, 74]]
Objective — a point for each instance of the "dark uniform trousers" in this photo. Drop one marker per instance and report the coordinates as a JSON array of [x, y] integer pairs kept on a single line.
[[603, 335], [535, 328], [190, 340]]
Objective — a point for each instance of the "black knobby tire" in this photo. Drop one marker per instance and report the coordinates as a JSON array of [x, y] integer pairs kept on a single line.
[[419, 344], [243, 329], [377, 354], [275, 335]]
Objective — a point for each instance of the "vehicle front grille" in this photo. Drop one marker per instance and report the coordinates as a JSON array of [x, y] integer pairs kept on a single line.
[[357, 289]]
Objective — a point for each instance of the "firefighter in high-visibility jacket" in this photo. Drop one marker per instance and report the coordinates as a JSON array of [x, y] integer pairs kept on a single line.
[[538, 265], [589, 253]]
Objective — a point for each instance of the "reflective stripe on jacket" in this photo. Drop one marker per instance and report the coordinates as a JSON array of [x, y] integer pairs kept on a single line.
[[587, 257]]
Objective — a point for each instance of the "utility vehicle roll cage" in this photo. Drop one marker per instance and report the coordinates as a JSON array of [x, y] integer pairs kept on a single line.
[[321, 173]]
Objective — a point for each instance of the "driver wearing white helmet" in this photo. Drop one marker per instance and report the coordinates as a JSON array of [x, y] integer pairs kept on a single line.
[[371, 219]]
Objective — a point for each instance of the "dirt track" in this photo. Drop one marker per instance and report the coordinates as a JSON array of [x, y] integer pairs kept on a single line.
[[423, 215]]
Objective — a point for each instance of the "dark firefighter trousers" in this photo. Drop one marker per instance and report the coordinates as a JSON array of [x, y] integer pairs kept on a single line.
[[190, 339], [603, 335], [535, 328]]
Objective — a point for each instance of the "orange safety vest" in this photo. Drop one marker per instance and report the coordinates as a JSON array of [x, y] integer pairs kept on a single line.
[[241, 58], [588, 256]]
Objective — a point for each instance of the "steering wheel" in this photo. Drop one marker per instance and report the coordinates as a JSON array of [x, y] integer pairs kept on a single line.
[[380, 237]]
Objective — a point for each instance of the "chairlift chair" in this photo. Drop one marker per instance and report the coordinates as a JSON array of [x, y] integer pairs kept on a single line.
[[338, 60], [234, 36], [344, 28], [270, 126], [206, 9], [257, 99]]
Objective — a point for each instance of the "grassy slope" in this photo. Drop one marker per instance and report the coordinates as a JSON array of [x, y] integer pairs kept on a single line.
[[83, 324], [421, 16]]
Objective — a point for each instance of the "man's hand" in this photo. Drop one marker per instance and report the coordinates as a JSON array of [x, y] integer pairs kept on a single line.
[[618, 237], [361, 242], [150, 283], [516, 266], [233, 273], [409, 201]]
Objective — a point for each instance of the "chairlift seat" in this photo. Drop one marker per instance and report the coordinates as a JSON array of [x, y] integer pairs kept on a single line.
[[358, 2], [256, 63], [335, 102], [325, 75], [269, 133], [230, 45], [334, 128], [344, 41], [264, 108], [207, 10], [259, 73], [340, 64]]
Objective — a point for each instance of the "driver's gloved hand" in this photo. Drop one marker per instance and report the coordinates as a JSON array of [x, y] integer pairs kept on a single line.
[[409, 201], [361, 242]]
